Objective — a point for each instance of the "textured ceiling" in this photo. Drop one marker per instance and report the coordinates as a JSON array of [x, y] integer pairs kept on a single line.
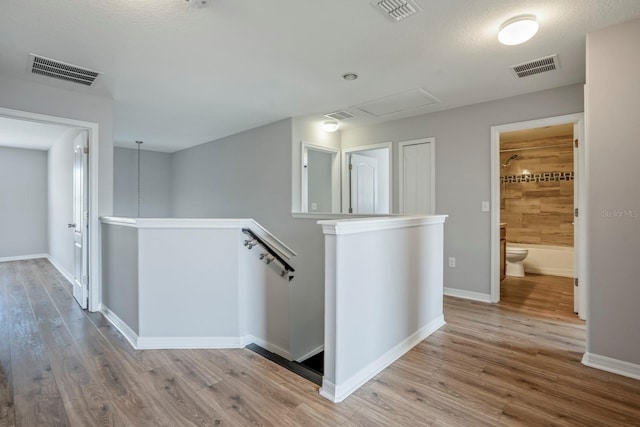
[[181, 76]]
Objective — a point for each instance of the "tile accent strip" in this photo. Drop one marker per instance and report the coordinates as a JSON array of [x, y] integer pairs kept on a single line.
[[537, 177]]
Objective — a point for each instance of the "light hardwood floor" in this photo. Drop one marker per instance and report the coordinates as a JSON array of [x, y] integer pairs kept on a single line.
[[490, 365], [539, 295]]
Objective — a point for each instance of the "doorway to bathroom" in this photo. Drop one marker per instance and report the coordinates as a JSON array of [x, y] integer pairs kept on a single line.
[[536, 198]]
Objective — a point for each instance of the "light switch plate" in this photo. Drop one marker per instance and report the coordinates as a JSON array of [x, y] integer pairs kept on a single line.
[[485, 206]]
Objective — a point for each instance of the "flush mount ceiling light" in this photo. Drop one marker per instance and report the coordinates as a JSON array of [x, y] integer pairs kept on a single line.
[[349, 76], [330, 126], [518, 30]]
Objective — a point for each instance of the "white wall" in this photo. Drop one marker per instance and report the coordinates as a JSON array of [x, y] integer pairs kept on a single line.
[[613, 152], [23, 202], [463, 168], [170, 283], [248, 175], [383, 295], [155, 183], [60, 200]]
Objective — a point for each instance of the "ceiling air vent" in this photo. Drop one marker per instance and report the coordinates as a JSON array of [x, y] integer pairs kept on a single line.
[[340, 115], [62, 71], [397, 10], [537, 66]]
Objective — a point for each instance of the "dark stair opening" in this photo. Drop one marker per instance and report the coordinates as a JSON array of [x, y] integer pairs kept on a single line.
[[312, 371], [315, 363]]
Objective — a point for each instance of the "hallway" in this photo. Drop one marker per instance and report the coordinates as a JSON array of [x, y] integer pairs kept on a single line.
[[489, 365]]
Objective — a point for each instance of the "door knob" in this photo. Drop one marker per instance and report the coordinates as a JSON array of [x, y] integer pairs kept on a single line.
[[71, 226]]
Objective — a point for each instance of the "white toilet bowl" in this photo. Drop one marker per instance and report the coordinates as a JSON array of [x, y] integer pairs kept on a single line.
[[515, 257]]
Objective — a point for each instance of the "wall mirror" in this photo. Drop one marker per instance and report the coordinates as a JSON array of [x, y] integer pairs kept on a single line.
[[320, 179]]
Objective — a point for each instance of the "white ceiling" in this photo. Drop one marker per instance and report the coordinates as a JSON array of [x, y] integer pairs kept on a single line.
[[29, 135], [181, 76]]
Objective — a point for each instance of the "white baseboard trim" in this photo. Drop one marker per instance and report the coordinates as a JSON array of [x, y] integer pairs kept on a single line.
[[22, 257], [310, 354], [338, 392], [250, 339], [120, 325], [61, 269], [608, 364], [175, 343], [460, 293], [560, 272]]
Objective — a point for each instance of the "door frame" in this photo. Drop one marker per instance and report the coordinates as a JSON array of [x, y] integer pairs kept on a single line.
[[581, 272], [94, 264], [345, 172], [431, 141]]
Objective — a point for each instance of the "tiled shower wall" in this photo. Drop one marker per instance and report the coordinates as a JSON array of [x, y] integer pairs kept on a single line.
[[536, 192]]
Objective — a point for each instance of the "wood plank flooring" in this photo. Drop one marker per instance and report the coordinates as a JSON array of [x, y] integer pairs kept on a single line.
[[490, 365], [539, 295]]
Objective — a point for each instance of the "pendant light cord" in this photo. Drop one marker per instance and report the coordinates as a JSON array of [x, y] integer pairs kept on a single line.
[[139, 144]]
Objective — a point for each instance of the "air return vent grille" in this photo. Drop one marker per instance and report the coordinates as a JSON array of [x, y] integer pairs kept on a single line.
[[340, 115], [397, 10], [537, 66], [62, 71]]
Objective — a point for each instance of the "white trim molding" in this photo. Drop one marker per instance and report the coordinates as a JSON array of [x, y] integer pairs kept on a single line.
[[337, 393], [310, 354], [250, 339], [61, 269], [171, 343], [364, 225], [461, 293], [177, 343], [23, 257], [120, 325], [238, 223], [582, 271], [95, 261], [609, 364]]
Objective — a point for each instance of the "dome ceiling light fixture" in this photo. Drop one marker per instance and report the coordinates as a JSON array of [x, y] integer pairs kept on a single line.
[[330, 126], [349, 76], [518, 30]]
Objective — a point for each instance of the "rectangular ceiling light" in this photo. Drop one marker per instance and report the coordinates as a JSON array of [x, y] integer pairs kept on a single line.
[[62, 71]]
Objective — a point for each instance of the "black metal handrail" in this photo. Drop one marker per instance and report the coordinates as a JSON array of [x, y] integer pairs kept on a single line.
[[268, 248]]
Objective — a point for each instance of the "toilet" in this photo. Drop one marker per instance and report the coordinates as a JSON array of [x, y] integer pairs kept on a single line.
[[515, 257]]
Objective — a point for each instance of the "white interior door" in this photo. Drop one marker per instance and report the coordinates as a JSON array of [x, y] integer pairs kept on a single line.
[[80, 219], [416, 177], [364, 184]]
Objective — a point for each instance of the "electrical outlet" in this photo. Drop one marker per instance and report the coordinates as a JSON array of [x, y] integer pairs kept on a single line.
[[452, 262]]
